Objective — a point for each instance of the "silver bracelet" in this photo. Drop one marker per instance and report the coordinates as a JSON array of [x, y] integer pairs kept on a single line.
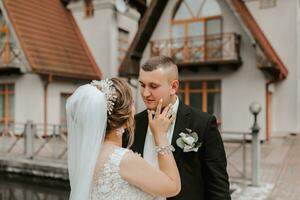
[[164, 149]]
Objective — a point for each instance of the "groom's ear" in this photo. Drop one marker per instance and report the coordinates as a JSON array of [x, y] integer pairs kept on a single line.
[[174, 86]]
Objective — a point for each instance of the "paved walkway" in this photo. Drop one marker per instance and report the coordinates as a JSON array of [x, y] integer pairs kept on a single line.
[[280, 172]]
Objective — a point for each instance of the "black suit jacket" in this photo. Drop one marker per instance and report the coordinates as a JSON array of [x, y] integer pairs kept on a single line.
[[203, 173]]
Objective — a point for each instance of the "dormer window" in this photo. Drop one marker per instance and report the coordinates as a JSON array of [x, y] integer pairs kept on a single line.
[[197, 25]]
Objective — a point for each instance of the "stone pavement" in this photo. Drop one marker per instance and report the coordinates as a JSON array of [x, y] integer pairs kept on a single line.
[[280, 172]]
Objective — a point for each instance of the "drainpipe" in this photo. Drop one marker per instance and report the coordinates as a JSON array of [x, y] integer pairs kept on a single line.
[[46, 84], [268, 100]]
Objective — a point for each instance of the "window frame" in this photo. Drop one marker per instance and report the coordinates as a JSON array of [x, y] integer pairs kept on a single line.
[[186, 91], [123, 41], [6, 118], [61, 120]]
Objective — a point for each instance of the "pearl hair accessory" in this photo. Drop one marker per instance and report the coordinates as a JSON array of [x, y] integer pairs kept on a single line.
[[106, 86]]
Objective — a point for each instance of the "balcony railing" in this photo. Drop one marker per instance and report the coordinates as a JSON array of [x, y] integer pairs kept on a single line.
[[9, 55], [219, 48]]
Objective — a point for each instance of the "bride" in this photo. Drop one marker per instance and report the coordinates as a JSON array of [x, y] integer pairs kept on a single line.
[[99, 168]]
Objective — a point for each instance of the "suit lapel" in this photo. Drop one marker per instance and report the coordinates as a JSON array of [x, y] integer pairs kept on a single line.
[[141, 127], [182, 122]]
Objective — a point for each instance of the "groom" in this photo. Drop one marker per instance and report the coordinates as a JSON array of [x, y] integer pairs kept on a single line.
[[203, 171]]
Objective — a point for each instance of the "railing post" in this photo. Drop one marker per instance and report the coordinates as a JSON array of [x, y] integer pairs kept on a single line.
[[255, 108], [255, 157], [29, 137]]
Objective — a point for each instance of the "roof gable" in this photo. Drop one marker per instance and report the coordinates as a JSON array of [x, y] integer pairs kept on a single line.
[[257, 33], [50, 39], [130, 65]]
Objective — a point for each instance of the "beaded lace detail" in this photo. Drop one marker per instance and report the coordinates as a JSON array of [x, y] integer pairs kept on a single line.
[[111, 186]]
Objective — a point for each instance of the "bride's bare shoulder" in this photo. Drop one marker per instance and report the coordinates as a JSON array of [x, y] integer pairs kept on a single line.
[[131, 156], [131, 161]]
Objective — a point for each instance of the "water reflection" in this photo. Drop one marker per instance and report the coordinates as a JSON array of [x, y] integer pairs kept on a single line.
[[16, 187]]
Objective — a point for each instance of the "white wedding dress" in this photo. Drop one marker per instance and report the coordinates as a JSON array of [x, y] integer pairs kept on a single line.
[[110, 185]]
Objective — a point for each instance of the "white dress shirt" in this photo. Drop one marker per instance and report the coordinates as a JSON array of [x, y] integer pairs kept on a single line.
[[150, 155]]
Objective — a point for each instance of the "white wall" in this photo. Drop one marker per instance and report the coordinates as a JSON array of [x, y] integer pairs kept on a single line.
[[242, 87], [298, 62], [101, 32], [280, 26], [55, 89], [28, 97]]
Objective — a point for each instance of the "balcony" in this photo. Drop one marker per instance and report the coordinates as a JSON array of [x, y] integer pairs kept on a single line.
[[213, 51], [9, 58], [10, 61]]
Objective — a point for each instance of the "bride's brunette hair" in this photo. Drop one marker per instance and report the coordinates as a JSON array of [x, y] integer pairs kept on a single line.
[[122, 113]]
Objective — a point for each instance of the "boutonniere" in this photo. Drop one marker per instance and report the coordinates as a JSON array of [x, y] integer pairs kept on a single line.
[[188, 141]]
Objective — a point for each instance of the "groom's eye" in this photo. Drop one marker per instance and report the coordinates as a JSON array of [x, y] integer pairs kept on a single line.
[[154, 86]]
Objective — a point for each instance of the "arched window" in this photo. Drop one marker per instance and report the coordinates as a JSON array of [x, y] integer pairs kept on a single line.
[[194, 18], [195, 24]]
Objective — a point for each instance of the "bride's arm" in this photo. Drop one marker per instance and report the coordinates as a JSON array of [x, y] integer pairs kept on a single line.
[[164, 181]]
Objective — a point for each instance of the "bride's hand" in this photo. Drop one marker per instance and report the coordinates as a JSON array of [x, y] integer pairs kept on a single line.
[[160, 123]]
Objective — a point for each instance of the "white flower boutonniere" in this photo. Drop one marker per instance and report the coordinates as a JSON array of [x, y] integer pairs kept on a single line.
[[188, 141]]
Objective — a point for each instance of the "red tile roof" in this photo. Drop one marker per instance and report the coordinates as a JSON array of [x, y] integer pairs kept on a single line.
[[50, 38], [259, 36]]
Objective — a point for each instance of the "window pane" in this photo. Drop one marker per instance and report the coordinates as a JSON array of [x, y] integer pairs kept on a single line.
[[63, 101], [195, 84], [214, 84], [183, 12], [213, 26], [196, 100], [214, 104], [178, 31], [195, 5], [11, 87], [214, 39], [210, 8], [195, 29], [11, 106]]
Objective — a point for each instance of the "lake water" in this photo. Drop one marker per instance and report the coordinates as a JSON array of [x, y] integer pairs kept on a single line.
[[17, 187]]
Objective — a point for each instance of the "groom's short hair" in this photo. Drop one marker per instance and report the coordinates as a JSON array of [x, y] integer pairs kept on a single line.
[[158, 62], [163, 62]]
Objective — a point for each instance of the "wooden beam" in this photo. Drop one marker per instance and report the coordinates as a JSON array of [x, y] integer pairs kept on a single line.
[[131, 63]]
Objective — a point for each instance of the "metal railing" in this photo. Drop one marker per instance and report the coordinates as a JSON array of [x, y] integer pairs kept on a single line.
[[29, 140], [237, 152], [209, 48]]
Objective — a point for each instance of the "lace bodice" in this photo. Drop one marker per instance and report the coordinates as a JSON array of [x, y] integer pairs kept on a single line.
[[111, 186]]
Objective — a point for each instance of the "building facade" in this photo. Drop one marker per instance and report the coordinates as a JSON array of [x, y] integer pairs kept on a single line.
[[230, 53], [44, 58]]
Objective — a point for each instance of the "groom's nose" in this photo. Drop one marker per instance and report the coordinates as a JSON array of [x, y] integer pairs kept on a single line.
[[146, 92]]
